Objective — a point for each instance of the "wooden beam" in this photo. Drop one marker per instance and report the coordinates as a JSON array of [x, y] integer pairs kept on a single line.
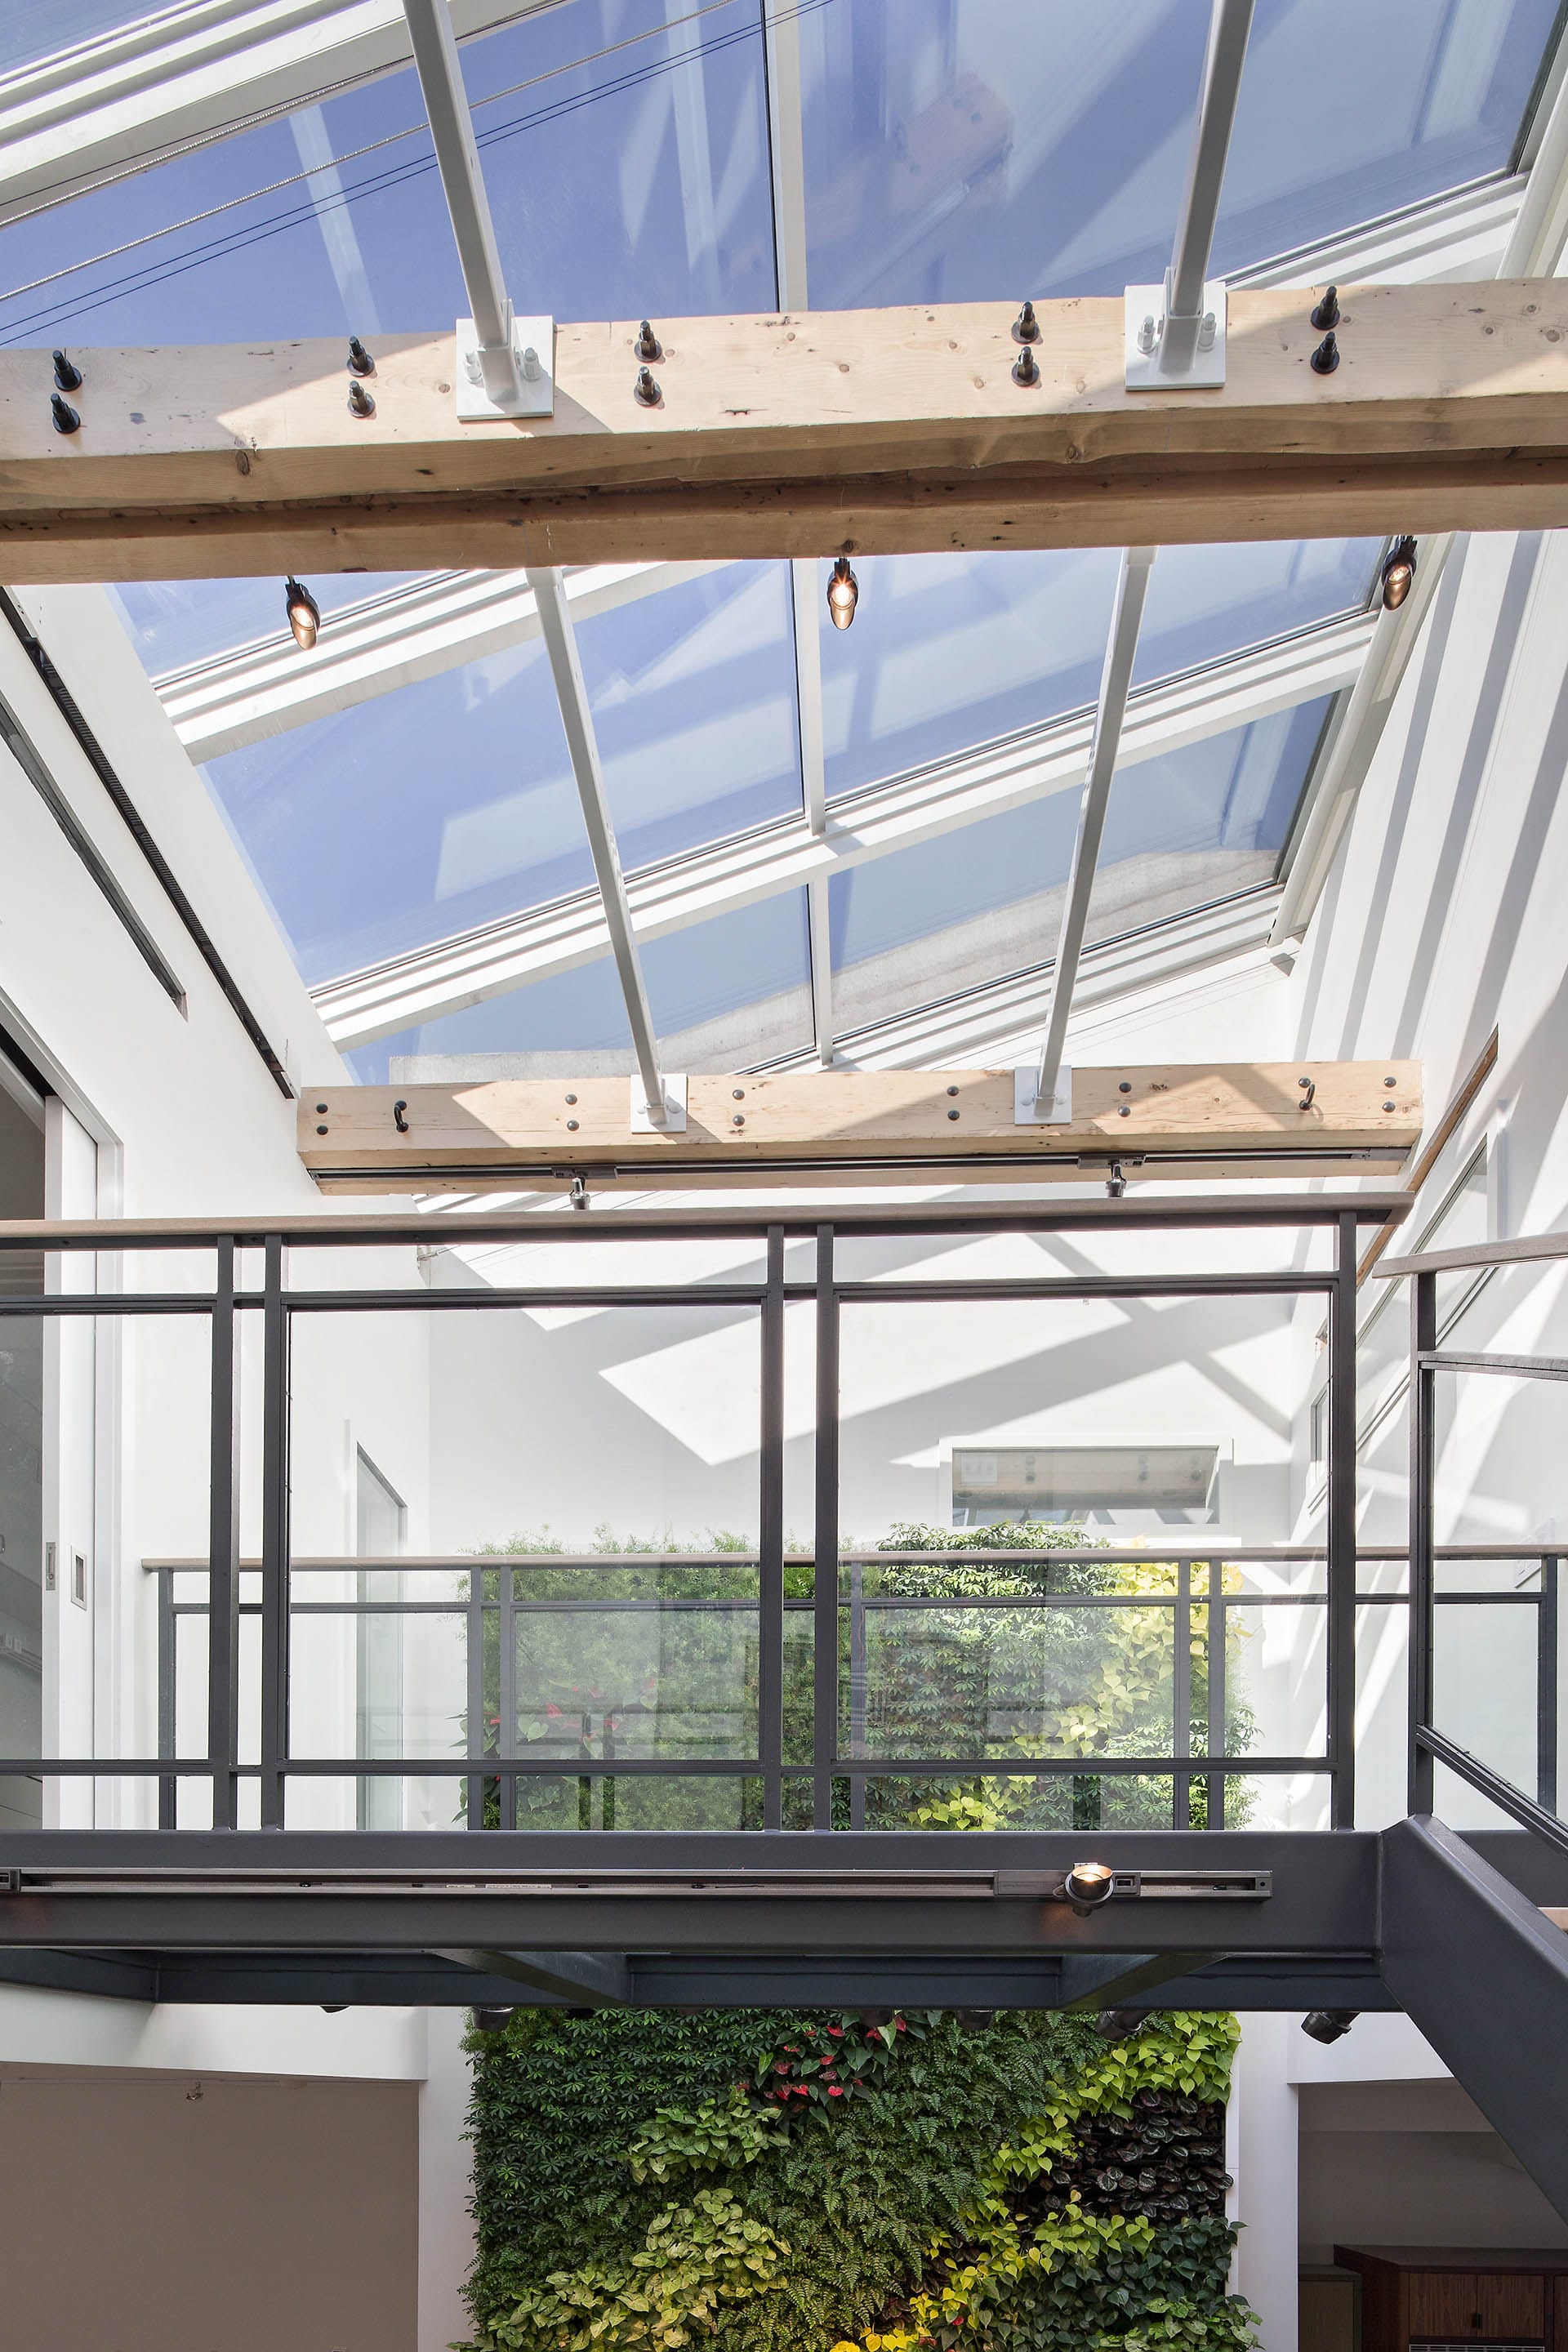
[[879, 431], [537, 1133]]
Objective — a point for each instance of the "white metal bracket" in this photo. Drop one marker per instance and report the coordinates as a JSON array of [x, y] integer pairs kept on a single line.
[[674, 1119], [533, 347], [1145, 329], [1027, 1112]]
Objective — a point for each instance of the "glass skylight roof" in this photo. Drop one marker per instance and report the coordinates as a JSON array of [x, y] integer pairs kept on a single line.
[[958, 150], [948, 651], [971, 905], [620, 183], [955, 149], [723, 994], [446, 804]]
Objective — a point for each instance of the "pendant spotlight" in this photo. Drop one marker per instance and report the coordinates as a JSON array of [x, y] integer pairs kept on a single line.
[[843, 593], [1087, 1884], [1117, 2024], [1329, 2024], [304, 612], [1398, 573]]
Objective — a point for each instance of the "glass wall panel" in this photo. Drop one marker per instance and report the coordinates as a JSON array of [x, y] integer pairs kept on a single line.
[[1113, 1627]]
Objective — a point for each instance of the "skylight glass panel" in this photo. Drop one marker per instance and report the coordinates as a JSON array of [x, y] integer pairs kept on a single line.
[[436, 807], [31, 30], [173, 624], [450, 802], [965, 149], [693, 695], [972, 905], [626, 161], [723, 994], [950, 651]]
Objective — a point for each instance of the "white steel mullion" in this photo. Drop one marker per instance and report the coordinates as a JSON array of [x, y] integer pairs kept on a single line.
[[1116, 680], [787, 855], [786, 158], [577, 720]]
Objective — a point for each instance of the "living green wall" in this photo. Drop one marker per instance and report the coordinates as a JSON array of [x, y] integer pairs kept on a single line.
[[776, 2181]]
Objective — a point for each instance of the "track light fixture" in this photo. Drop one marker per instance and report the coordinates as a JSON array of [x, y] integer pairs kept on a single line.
[[648, 346], [1326, 358], [1087, 1884], [67, 419], [1329, 2024], [843, 593], [491, 2020], [1398, 573], [304, 612], [1119, 2024], [1326, 313], [360, 361], [68, 375]]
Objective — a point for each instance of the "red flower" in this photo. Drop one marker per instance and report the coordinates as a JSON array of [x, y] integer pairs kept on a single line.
[[836, 2031], [799, 2089], [550, 1708], [778, 2066], [835, 2090], [899, 2026]]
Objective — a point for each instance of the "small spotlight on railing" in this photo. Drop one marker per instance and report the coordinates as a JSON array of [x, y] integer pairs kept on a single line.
[[1327, 312], [1398, 573], [1326, 358], [304, 612], [1119, 2024], [1025, 326], [1087, 1884], [1329, 2024], [843, 593]]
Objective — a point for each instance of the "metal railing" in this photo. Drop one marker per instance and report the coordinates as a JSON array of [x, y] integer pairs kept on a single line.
[[824, 1756], [1430, 1746], [593, 1739]]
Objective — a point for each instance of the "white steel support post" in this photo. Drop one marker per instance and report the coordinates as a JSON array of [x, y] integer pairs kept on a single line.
[[1176, 332], [786, 156], [1043, 1095], [505, 364], [656, 1100]]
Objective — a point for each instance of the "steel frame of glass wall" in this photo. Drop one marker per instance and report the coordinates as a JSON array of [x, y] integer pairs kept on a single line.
[[1430, 1746], [836, 1609]]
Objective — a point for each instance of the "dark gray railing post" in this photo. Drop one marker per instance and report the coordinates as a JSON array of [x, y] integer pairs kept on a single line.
[[770, 1541], [1422, 1340], [223, 1549], [168, 1703], [825, 1588], [1182, 1696], [857, 1692], [1215, 1810], [506, 1691], [275, 1595], [474, 1637], [1546, 1685], [1342, 1560]]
